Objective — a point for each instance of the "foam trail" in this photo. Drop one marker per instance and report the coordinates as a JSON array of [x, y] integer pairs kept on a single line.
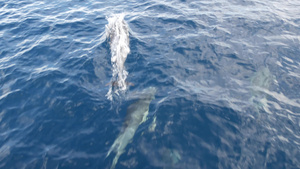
[[118, 35]]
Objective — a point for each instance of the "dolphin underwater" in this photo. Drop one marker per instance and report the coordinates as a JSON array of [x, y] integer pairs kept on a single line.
[[136, 115]]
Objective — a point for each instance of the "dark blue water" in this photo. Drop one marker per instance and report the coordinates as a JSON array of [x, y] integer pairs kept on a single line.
[[227, 75]]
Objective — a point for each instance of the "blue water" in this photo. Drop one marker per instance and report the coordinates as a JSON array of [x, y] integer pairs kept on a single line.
[[227, 75]]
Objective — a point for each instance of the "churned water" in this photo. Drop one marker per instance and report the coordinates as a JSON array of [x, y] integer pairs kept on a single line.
[[149, 84]]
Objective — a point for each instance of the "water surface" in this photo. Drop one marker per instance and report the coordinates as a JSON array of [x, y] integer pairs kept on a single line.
[[227, 75]]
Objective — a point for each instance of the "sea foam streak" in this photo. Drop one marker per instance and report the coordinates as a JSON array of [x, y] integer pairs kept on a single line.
[[118, 36]]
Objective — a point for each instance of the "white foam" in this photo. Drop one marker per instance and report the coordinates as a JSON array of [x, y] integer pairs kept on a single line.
[[118, 35]]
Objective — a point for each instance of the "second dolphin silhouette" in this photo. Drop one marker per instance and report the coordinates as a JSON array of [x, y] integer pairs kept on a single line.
[[136, 115]]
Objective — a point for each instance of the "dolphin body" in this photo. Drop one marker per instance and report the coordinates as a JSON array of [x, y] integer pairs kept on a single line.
[[136, 115], [117, 32]]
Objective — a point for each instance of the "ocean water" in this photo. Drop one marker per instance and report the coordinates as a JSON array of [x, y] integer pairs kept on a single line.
[[225, 76]]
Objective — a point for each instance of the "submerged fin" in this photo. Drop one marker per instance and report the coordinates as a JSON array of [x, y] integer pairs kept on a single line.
[[115, 161], [109, 151], [113, 147]]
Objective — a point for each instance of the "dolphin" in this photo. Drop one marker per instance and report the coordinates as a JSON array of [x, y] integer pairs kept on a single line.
[[117, 33], [136, 115]]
